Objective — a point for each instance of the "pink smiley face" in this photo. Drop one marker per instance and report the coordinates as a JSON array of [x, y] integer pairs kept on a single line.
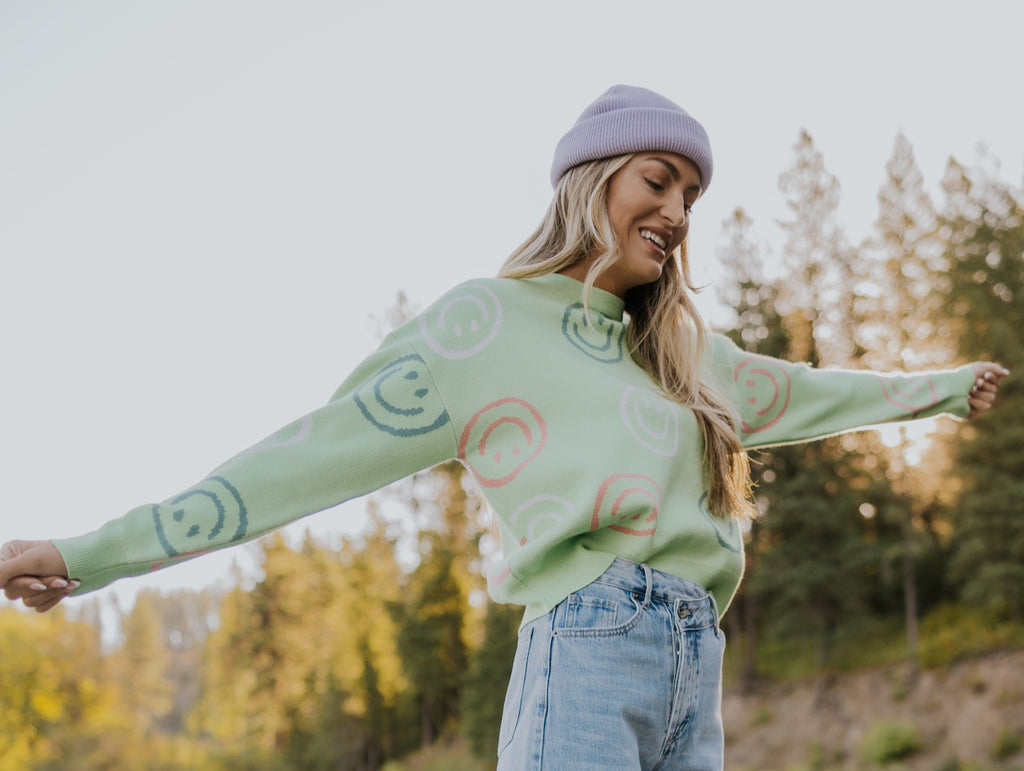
[[628, 504], [912, 394], [764, 389], [501, 439]]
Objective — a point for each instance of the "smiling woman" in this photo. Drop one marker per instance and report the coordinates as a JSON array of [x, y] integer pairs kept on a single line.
[[606, 427], [649, 203]]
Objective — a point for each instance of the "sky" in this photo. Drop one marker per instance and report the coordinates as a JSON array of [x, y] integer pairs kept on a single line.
[[206, 206]]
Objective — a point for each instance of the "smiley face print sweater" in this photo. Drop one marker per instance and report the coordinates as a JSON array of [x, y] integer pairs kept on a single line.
[[579, 455]]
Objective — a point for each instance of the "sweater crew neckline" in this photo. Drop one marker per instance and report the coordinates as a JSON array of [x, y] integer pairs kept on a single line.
[[604, 302]]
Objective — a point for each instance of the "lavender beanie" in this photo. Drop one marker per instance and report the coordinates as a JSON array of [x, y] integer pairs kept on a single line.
[[628, 119]]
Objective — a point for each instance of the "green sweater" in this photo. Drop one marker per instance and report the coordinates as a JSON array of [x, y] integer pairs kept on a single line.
[[579, 455]]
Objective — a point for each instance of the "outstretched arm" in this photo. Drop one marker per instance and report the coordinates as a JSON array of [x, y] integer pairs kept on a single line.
[[385, 422], [987, 377], [782, 402]]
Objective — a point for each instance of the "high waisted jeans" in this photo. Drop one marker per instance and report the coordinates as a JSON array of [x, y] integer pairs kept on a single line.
[[624, 674]]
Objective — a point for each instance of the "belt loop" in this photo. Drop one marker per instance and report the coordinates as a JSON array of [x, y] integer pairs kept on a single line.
[[650, 585], [714, 613]]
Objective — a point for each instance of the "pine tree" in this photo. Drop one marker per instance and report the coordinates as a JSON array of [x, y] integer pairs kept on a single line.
[[983, 226], [904, 319], [430, 639], [823, 272], [757, 328], [811, 552], [486, 681], [143, 665], [368, 667]]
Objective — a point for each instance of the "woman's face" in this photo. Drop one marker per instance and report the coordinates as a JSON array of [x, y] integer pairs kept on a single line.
[[649, 201]]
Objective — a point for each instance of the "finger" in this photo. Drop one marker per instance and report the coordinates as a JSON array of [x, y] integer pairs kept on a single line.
[[984, 385], [996, 373], [38, 589], [981, 401], [984, 392], [40, 599], [22, 586], [979, 409], [50, 604]]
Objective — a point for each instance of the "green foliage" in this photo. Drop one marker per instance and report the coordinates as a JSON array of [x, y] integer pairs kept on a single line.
[[430, 639], [490, 666], [886, 742], [863, 643], [984, 229], [443, 756], [1008, 743], [954, 631]]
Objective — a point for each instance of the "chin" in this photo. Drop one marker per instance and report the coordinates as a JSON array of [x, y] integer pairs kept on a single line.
[[641, 283]]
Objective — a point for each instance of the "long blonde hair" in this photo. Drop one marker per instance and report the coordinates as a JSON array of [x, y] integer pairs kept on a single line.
[[665, 334]]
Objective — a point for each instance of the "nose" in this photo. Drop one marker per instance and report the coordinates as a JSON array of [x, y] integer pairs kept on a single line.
[[674, 212]]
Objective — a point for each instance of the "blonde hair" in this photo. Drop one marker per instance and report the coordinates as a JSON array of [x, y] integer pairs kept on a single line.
[[666, 335]]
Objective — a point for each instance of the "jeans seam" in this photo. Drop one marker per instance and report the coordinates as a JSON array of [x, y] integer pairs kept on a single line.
[[545, 704], [612, 631]]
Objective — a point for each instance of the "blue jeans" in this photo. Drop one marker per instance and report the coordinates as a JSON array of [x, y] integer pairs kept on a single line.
[[624, 674]]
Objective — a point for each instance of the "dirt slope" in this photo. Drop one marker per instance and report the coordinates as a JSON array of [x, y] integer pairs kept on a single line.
[[971, 714]]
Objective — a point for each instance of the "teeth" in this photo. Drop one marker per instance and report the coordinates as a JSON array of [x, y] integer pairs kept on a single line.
[[653, 237]]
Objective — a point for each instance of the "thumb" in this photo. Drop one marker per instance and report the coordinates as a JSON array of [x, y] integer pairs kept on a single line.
[[11, 567]]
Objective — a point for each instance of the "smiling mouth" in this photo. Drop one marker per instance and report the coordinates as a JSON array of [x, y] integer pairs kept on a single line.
[[655, 239]]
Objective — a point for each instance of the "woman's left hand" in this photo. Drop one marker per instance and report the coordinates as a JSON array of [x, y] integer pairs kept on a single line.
[[987, 377]]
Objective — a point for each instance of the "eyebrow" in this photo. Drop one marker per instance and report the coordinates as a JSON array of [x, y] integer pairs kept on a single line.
[[674, 172]]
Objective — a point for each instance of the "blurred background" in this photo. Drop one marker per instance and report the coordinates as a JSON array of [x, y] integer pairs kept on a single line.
[[210, 212]]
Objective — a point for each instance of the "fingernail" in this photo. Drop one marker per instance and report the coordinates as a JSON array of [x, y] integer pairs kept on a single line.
[[59, 583], [37, 587], [74, 584]]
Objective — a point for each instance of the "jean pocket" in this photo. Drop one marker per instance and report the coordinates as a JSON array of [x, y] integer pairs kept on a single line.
[[513, 706], [598, 616]]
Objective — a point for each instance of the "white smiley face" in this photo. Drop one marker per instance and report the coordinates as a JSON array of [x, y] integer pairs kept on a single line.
[[463, 324], [652, 420]]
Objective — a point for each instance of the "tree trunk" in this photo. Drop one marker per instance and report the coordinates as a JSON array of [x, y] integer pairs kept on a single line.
[[910, 609]]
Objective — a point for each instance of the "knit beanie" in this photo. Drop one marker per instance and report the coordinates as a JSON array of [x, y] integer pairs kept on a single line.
[[628, 119]]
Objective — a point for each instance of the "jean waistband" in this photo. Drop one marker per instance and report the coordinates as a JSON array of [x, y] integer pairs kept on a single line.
[[655, 584]]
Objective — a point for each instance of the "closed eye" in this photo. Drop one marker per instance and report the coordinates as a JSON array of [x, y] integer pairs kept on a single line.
[[654, 185]]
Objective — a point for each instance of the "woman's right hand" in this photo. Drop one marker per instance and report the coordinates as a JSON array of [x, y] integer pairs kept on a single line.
[[35, 573]]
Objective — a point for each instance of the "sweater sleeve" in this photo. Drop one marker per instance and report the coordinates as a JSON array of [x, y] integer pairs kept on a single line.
[[779, 402], [386, 421]]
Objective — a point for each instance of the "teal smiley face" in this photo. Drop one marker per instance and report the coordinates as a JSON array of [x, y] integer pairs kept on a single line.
[[401, 399], [210, 514], [727, 529], [597, 336]]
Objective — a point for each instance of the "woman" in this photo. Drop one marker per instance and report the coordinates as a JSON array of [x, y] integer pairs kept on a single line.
[[606, 428]]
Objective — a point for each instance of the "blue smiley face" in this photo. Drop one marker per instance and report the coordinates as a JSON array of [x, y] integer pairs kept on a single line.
[[597, 336], [210, 514], [727, 529], [401, 399]]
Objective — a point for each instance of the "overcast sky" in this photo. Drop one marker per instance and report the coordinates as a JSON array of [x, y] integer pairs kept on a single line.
[[203, 203]]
